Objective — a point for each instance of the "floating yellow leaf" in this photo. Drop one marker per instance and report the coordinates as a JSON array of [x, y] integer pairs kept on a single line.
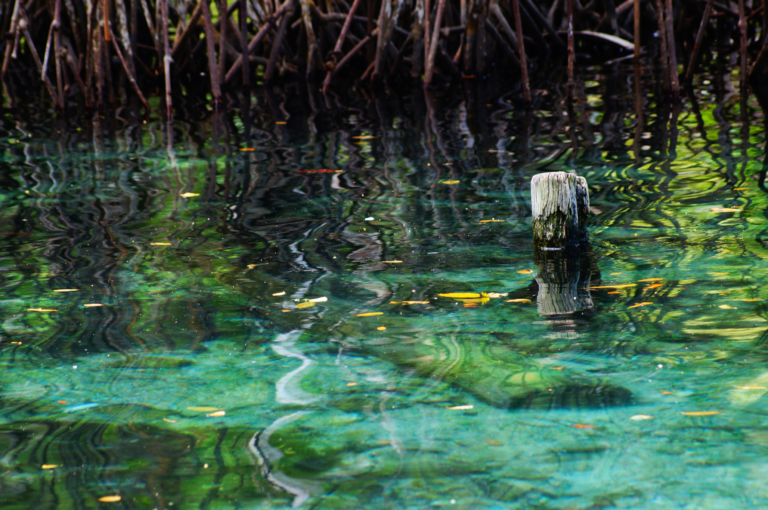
[[351, 384], [189, 195], [415, 302], [750, 300], [700, 413], [49, 466], [92, 305], [727, 307], [159, 244], [492, 221], [653, 286], [381, 328], [739, 189], [246, 149], [525, 271], [67, 290], [451, 182], [280, 122], [41, 310], [110, 499], [461, 408], [394, 302], [640, 417], [626, 285], [251, 266], [170, 420], [717, 274], [319, 300], [216, 414], [649, 279], [305, 304], [582, 426], [369, 314], [392, 261], [460, 295], [517, 301], [614, 292], [644, 303], [279, 293], [614, 274], [285, 311], [725, 209], [494, 295], [203, 409], [751, 388], [364, 137]]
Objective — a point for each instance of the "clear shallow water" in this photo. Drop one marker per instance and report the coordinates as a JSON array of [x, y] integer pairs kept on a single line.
[[206, 259]]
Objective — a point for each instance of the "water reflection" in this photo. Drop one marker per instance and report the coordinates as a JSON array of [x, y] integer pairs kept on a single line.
[[354, 286]]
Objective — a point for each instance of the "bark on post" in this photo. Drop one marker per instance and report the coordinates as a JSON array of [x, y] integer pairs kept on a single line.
[[560, 203]]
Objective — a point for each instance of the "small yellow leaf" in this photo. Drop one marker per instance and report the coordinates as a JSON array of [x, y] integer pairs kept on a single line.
[[649, 279], [640, 417], [281, 122], [394, 302], [494, 295], [279, 293], [613, 286], [475, 302], [92, 305], [517, 301], [460, 295], [170, 420], [739, 189], [285, 311], [727, 307], [392, 261], [492, 221], [189, 195], [381, 328], [41, 310], [725, 209], [246, 149], [614, 274], [110, 499], [203, 409], [717, 274], [653, 286], [615, 292], [644, 303], [49, 466], [67, 290], [216, 414], [461, 408], [750, 300], [305, 304], [364, 137], [451, 182], [700, 413], [751, 387], [525, 271], [369, 314], [415, 302], [319, 300], [351, 384], [251, 266], [159, 244]]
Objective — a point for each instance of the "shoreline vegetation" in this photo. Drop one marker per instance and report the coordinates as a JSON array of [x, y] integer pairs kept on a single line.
[[96, 54]]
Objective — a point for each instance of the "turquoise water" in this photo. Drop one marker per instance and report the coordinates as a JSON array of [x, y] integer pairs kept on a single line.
[[264, 328]]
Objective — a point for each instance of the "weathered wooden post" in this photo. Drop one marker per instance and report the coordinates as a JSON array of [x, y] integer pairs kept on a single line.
[[560, 203]]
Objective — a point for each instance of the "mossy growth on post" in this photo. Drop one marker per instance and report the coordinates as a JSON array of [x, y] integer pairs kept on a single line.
[[560, 203]]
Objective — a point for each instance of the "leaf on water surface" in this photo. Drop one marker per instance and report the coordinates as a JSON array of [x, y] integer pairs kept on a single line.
[[159, 244], [653, 286], [451, 182], [110, 499], [649, 279], [49, 466], [279, 293], [170, 420], [461, 407], [92, 305], [285, 311], [415, 302], [189, 195], [492, 221], [725, 209], [246, 149], [748, 387], [66, 290], [216, 414], [460, 295], [641, 417], [381, 328], [280, 122], [41, 310], [582, 426], [614, 274], [717, 274], [305, 304], [369, 314], [727, 307], [319, 300], [615, 292], [364, 137], [517, 301], [525, 271], [351, 384], [739, 189], [494, 295], [666, 392], [203, 409], [700, 413], [613, 286], [62, 402], [392, 261], [644, 303], [750, 300]]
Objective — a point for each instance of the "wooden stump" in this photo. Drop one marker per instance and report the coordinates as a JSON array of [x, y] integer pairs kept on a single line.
[[560, 203]]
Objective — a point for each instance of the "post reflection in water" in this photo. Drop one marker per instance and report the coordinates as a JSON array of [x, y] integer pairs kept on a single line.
[[335, 303]]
